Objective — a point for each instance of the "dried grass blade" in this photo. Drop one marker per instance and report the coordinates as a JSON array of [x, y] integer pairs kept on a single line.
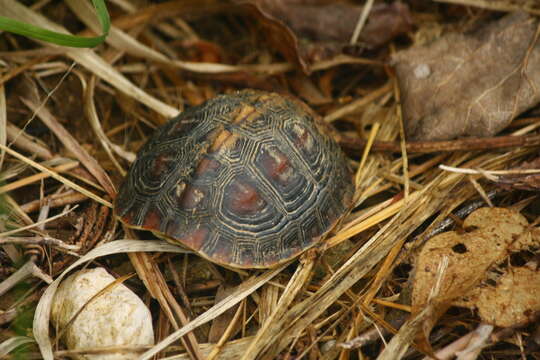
[[43, 309], [241, 292], [303, 314], [72, 145], [3, 122], [124, 42], [399, 344], [154, 281], [22, 140], [54, 175], [371, 221], [93, 118], [358, 103], [36, 177], [295, 284], [91, 61], [11, 344], [496, 5]]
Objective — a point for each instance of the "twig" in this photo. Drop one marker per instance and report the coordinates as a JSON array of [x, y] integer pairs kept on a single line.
[[39, 240], [361, 21], [467, 144]]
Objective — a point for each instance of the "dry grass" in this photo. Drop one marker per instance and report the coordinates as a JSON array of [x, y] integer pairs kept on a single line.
[[71, 120]]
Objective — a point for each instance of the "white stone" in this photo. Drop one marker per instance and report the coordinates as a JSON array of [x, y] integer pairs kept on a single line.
[[118, 317]]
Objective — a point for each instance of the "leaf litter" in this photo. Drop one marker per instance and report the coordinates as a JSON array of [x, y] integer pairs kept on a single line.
[[383, 285]]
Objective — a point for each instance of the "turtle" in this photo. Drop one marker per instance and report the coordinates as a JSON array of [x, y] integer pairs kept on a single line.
[[248, 180]]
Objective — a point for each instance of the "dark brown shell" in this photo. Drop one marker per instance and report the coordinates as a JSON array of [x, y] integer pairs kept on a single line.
[[247, 180]]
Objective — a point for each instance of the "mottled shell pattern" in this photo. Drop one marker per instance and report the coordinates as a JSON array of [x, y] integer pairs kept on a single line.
[[247, 180]]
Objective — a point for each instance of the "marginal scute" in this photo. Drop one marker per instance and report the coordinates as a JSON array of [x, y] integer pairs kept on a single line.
[[247, 180], [195, 239]]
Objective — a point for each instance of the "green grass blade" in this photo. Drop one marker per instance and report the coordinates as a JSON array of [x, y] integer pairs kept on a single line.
[[53, 37]]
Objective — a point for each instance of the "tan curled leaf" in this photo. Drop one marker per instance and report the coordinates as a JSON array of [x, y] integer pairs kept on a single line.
[[470, 85], [494, 232], [513, 301], [490, 234]]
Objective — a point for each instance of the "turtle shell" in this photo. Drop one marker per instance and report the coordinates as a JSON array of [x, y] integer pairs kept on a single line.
[[248, 180]]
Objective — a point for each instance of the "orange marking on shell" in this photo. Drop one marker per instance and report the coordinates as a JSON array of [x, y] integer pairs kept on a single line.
[[244, 114], [220, 140], [245, 199], [276, 163], [191, 197], [128, 217], [196, 238], [152, 220], [303, 137]]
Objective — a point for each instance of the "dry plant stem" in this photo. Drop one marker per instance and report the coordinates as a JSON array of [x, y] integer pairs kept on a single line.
[[361, 21], [497, 5], [480, 190], [11, 344], [399, 344], [36, 177], [60, 178], [55, 200], [294, 286], [22, 68], [153, 279], [215, 351], [240, 293], [414, 213], [93, 118], [72, 145], [39, 240], [466, 144], [7, 316], [23, 273], [86, 57], [459, 345], [25, 142], [3, 122], [357, 104], [122, 41], [109, 350], [380, 277], [369, 222], [37, 224], [477, 342]]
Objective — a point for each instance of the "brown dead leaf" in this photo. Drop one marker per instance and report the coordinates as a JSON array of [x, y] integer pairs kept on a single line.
[[220, 324], [491, 233], [471, 85], [513, 301], [307, 31]]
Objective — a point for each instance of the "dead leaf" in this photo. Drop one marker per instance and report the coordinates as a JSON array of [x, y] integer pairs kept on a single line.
[[512, 302], [471, 85], [220, 323], [309, 31], [491, 234]]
